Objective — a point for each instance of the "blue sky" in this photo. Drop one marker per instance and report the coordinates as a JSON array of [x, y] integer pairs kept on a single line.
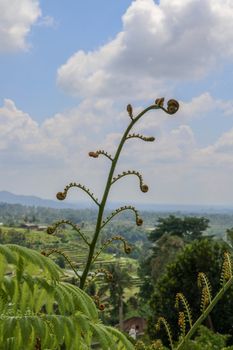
[[30, 77], [69, 69]]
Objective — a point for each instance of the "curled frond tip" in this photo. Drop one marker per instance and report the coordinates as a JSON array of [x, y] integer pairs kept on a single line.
[[50, 230], [93, 154], [172, 105], [130, 110], [61, 196], [139, 221], [101, 307], [128, 249], [144, 188]]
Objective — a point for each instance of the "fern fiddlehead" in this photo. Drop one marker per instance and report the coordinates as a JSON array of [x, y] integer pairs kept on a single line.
[[172, 107]]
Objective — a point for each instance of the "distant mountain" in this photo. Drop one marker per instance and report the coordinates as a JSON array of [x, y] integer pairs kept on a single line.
[[10, 198], [177, 208], [187, 208]]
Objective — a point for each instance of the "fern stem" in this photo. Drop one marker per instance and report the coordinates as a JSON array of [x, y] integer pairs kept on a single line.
[[203, 316], [106, 192], [59, 252], [144, 188], [52, 229], [166, 326], [180, 297], [117, 211], [106, 154], [138, 136], [62, 195], [127, 248], [107, 274]]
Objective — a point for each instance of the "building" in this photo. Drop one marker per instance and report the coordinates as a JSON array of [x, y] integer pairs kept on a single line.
[[29, 226], [138, 322]]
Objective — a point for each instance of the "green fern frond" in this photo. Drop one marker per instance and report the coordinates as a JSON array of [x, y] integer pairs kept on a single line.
[[38, 309], [122, 341], [226, 272], [31, 257], [8, 254], [62, 195], [139, 221], [100, 152], [180, 298], [127, 248], [3, 299], [163, 322], [182, 323], [206, 289], [64, 255], [144, 188], [52, 229], [55, 330], [144, 138]]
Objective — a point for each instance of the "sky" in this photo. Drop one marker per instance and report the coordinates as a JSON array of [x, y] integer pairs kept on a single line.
[[68, 69]]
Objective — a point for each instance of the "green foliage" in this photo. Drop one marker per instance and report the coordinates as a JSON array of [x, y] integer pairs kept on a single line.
[[14, 214], [60, 261], [189, 227], [156, 345], [208, 340], [219, 222], [120, 280], [152, 267], [37, 308], [204, 255], [229, 234], [170, 235], [12, 236]]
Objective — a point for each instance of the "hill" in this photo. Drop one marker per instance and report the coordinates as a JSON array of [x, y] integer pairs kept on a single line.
[[34, 201]]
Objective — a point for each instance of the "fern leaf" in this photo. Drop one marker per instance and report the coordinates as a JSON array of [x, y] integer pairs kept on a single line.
[[123, 342], [38, 309], [37, 259], [8, 254]]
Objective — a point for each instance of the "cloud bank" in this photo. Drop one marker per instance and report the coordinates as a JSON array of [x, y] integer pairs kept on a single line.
[[159, 45], [16, 20], [55, 152]]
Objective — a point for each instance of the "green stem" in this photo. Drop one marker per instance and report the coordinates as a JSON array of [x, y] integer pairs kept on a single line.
[[203, 316], [118, 211], [129, 172], [57, 251], [52, 229], [106, 192], [108, 242]]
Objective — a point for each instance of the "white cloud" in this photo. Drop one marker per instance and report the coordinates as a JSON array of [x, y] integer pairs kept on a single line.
[[42, 159], [159, 45], [15, 125], [170, 147], [59, 137], [54, 152], [16, 20], [21, 137], [198, 107], [218, 154], [173, 41]]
